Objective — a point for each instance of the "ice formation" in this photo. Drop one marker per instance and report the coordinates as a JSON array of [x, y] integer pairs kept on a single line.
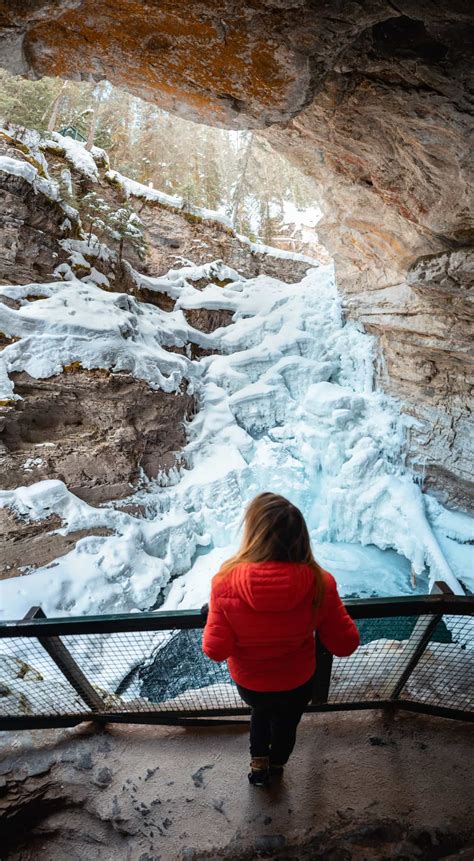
[[286, 404]]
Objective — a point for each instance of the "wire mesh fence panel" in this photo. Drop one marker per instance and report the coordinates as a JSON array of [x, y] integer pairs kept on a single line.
[[444, 676], [32, 684], [372, 672], [150, 671], [425, 659]]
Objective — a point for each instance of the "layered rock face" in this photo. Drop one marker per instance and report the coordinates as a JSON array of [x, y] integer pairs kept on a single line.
[[93, 429], [98, 432], [27, 233], [425, 325], [373, 100], [29, 226]]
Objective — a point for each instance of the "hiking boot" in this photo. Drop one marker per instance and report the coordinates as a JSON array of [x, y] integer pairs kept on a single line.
[[259, 774], [276, 770]]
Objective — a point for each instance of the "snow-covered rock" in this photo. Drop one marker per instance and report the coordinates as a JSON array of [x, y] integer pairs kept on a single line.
[[84, 161]]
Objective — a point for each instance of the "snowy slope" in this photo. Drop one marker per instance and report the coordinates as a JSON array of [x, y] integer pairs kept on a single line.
[[286, 404], [132, 188]]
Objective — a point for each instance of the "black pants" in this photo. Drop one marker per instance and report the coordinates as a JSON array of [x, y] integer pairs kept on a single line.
[[275, 717]]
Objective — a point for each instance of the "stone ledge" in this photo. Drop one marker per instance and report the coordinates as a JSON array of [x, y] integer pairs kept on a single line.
[[359, 785]]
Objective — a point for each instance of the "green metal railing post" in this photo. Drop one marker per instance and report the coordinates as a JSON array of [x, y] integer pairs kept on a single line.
[[64, 661], [416, 645]]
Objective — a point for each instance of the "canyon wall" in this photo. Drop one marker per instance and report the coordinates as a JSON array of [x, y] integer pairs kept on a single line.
[[374, 100]]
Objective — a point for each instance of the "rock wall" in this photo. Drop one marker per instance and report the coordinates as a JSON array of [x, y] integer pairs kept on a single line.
[[30, 226], [31, 229], [172, 237], [94, 430], [426, 330]]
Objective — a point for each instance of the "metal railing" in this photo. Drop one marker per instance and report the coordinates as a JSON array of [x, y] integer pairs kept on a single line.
[[415, 653]]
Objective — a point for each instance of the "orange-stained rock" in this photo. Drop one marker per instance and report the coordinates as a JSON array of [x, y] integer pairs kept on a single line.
[[374, 96], [212, 61]]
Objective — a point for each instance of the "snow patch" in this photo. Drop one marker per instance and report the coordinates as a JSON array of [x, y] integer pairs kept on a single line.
[[83, 161], [30, 173], [79, 322], [278, 253], [132, 188]]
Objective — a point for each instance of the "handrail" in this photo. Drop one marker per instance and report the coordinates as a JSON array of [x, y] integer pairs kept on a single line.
[[157, 620]]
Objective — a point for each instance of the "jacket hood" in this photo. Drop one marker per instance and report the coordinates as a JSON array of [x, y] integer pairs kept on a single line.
[[273, 586]]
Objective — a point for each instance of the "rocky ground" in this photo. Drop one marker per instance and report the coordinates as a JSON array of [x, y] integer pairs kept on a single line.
[[359, 787]]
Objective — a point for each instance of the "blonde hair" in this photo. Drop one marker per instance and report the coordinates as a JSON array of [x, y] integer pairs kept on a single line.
[[276, 531]]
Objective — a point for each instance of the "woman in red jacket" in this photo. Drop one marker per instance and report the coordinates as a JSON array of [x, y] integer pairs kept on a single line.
[[266, 603]]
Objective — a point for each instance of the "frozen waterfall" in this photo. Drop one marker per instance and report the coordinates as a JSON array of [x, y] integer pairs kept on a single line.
[[286, 404]]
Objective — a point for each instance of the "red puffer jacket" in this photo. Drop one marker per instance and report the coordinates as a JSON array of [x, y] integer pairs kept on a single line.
[[262, 620]]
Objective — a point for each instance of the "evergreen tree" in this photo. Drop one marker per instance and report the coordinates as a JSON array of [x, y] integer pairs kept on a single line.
[[212, 181], [27, 103], [96, 213], [124, 225], [241, 186], [55, 107]]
